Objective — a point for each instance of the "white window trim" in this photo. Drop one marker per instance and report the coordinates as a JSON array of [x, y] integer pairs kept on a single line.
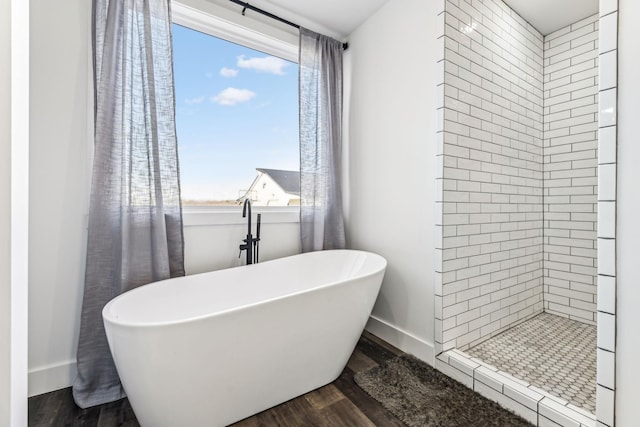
[[203, 216], [196, 19], [222, 28]]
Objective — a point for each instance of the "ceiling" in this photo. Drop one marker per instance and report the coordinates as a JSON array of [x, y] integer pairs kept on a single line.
[[339, 18], [548, 16], [336, 18]]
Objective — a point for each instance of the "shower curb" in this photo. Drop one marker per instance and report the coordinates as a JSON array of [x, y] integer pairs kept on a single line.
[[530, 402]]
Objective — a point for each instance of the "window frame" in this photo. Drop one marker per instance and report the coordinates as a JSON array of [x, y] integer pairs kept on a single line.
[[285, 46]]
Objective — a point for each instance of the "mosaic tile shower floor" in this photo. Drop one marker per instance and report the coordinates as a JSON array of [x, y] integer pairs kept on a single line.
[[550, 352]]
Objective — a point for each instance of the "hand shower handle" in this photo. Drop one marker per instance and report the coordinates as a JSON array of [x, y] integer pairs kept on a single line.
[[257, 240]]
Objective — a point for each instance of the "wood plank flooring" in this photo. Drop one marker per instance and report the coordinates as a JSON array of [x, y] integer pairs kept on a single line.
[[341, 403]]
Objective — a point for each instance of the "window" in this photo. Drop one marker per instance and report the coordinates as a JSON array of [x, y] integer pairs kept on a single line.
[[236, 119]]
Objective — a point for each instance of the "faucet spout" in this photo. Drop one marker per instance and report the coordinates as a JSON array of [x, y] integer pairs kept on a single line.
[[247, 202]]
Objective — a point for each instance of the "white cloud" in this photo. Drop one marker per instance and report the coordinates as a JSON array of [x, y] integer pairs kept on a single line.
[[233, 96], [192, 101], [268, 64], [228, 72]]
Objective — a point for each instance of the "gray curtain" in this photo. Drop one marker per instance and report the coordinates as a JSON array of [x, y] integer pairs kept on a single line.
[[320, 88], [135, 218]]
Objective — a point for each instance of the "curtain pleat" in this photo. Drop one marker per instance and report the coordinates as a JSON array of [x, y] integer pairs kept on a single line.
[[320, 91], [135, 217]]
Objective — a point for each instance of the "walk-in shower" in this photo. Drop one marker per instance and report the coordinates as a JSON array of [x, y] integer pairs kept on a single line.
[[516, 291]]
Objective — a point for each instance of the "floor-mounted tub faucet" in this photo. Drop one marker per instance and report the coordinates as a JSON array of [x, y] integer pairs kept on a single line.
[[251, 244]]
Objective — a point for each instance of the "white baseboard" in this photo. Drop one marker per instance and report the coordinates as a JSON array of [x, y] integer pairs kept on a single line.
[[402, 339], [53, 377]]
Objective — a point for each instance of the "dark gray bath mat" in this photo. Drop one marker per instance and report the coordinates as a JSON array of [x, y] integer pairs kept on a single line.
[[419, 395]]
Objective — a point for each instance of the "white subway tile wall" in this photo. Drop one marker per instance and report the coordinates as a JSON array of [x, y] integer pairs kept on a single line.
[[492, 107], [570, 170], [494, 154]]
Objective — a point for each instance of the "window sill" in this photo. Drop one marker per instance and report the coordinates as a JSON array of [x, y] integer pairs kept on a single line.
[[200, 216]]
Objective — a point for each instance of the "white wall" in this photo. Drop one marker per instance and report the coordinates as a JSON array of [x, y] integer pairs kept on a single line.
[[5, 212], [213, 243], [14, 209], [628, 197], [390, 108], [60, 141]]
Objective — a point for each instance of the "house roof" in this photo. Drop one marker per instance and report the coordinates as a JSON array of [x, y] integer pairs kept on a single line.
[[289, 181]]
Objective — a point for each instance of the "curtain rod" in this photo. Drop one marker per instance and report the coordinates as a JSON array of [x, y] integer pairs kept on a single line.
[[246, 6]]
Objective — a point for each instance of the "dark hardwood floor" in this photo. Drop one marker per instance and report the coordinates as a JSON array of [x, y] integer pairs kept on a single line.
[[341, 403]]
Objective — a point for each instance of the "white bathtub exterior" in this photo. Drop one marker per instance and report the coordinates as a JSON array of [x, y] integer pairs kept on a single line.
[[214, 348]]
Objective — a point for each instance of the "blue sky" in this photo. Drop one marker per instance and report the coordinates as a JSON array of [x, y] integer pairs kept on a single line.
[[236, 110]]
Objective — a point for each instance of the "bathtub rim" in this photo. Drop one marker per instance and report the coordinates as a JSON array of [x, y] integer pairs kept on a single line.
[[107, 317]]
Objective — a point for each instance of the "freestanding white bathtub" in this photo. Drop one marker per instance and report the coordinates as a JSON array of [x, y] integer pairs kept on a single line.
[[214, 348]]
